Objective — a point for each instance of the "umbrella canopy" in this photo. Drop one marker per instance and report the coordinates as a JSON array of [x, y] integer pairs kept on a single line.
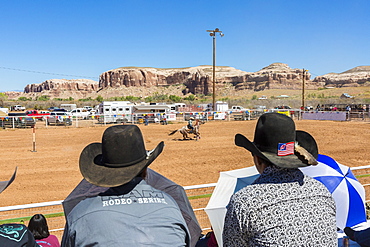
[[228, 183], [347, 191]]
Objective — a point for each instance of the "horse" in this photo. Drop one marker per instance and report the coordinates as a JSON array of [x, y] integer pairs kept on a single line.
[[185, 131]]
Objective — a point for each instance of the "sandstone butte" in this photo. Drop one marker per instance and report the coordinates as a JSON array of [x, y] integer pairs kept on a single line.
[[142, 82]]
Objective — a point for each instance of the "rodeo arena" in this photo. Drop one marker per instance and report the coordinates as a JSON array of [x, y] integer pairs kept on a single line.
[[208, 200]]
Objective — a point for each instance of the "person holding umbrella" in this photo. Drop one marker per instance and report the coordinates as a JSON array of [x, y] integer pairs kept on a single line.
[[282, 206]]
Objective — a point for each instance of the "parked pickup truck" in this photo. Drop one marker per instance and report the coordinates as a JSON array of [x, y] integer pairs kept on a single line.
[[40, 115], [17, 108], [80, 113]]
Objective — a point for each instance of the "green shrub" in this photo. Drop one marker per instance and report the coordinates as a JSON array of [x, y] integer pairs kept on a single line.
[[175, 98], [43, 98], [99, 98], [190, 97], [24, 98]]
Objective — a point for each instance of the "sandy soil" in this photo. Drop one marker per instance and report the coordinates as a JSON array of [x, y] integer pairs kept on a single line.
[[52, 171]]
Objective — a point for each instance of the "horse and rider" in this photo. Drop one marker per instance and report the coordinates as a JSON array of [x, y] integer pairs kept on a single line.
[[190, 128]]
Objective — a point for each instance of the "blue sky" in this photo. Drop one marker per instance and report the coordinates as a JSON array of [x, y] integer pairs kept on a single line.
[[74, 39]]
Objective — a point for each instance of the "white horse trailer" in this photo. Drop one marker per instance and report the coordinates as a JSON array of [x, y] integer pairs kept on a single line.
[[68, 107], [115, 111]]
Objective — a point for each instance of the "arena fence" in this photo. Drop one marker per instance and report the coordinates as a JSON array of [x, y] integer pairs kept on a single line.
[[198, 195], [157, 117]]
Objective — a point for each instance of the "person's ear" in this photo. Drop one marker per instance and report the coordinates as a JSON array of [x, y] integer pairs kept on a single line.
[[256, 160]]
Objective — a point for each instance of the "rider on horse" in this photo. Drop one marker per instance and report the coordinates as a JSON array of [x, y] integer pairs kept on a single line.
[[190, 124]]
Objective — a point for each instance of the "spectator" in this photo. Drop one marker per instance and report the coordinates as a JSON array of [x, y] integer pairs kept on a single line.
[[164, 119], [40, 230], [146, 120], [283, 206], [15, 235], [84, 190], [130, 212], [362, 237], [348, 108]]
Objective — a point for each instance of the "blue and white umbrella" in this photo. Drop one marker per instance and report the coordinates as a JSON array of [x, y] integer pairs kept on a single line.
[[347, 191]]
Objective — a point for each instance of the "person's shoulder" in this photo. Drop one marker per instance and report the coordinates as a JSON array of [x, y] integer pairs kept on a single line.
[[16, 235], [309, 180], [247, 192], [51, 239], [316, 185]]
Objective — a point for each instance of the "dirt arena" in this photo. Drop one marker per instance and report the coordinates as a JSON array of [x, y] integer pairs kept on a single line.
[[52, 171]]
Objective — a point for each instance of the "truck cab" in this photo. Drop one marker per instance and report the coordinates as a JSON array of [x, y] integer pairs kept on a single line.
[[18, 108], [79, 113], [237, 108]]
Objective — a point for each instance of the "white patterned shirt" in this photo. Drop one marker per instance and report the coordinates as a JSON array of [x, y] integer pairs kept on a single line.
[[283, 207]]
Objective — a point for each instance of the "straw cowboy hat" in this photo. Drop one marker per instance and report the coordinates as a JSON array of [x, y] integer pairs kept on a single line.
[[119, 158], [5, 184], [277, 141]]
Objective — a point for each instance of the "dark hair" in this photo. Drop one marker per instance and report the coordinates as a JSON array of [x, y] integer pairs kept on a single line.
[[38, 226]]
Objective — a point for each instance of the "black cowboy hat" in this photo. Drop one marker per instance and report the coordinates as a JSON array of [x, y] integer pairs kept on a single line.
[[119, 158], [277, 141], [5, 184]]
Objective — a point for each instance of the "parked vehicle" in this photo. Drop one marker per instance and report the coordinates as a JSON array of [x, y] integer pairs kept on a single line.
[[59, 118], [17, 108], [115, 111], [37, 114], [237, 108], [68, 107], [88, 108], [4, 109], [220, 107], [53, 108], [80, 113], [60, 110], [241, 116], [17, 121]]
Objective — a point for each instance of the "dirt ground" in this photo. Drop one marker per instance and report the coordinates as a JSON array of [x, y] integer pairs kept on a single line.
[[52, 171]]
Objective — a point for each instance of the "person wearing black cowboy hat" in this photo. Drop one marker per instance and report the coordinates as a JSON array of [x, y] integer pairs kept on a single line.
[[130, 212], [14, 234], [282, 207]]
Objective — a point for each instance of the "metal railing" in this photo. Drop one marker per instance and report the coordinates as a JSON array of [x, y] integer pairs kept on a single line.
[[198, 195]]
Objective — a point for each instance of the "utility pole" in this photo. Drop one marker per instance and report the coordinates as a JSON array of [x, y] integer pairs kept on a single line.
[[213, 34], [303, 84]]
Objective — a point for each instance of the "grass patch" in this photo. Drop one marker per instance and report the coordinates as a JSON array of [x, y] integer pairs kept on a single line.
[[199, 196], [27, 218], [363, 176]]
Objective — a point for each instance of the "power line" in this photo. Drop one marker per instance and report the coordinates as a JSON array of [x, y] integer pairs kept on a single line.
[[314, 74], [47, 73]]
